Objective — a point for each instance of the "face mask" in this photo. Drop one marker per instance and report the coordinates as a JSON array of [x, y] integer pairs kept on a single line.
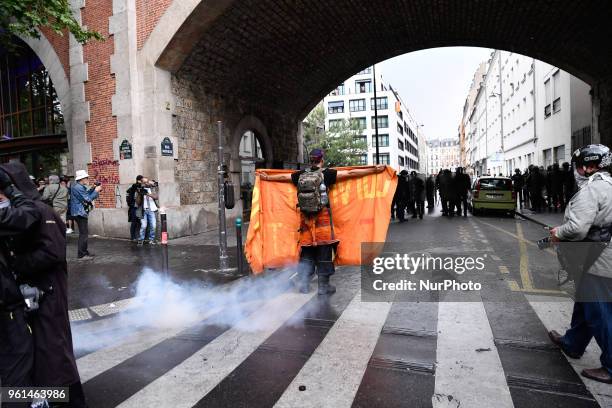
[[5, 204], [580, 179]]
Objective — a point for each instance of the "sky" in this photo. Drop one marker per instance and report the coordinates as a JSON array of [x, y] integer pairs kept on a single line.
[[434, 84]]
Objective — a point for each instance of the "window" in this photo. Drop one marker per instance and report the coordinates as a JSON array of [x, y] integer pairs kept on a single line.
[[338, 91], [547, 157], [334, 123], [365, 71], [556, 92], [363, 86], [381, 103], [29, 105], [547, 98], [400, 129], [383, 140], [359, 122], [362, 159], [400, 114], [559, 154], [400, 144], [335, 107], [361, 139], [383, 122], [400, 160], [384, 158], [357, 105]]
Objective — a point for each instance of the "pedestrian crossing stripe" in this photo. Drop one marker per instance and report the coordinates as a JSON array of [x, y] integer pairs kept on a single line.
[[467, 358]]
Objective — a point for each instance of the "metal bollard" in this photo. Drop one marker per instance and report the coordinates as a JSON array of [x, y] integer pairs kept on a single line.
[[164, 240], [239, 243]]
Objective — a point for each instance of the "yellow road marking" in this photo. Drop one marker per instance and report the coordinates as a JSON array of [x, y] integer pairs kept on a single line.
[[514, 286], [503, 269], [550, 251], [524, 260]]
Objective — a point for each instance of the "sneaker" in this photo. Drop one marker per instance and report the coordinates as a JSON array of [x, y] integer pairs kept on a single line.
[[86, 258], [140, 243], [69, 231], [154, 242]]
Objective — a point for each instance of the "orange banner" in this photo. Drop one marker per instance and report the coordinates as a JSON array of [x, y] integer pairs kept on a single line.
[[361, 209]]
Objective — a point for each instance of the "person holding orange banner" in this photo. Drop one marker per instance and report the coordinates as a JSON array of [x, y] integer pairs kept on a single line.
[[316, 234]]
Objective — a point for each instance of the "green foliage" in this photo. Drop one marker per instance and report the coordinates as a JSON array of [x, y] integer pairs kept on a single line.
[[341, 143], [23, 17]]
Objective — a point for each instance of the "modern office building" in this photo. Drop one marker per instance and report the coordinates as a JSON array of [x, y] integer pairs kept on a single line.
[[399, 133]]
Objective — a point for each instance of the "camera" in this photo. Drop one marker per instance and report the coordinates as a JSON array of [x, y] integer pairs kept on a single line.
[[544, 243], [97, 184]]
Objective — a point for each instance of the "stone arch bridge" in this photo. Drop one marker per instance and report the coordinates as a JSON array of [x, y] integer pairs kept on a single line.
[[172, 68]]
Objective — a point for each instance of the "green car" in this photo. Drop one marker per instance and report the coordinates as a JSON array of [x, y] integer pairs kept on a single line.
[[492, 193]]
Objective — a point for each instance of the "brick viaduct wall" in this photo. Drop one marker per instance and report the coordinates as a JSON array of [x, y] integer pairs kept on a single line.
[[168, 68]]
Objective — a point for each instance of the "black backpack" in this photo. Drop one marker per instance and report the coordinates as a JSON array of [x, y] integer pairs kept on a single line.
[[309, 193]]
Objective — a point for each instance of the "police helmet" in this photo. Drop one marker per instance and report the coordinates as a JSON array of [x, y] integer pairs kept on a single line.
[[596, 154]]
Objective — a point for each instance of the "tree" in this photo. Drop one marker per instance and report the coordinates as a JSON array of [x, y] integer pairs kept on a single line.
[[24, 17], [342, 143]]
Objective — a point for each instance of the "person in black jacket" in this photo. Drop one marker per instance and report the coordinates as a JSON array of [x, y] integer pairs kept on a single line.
[[132, 207], [17, 214], [430, 188], [569, 183], [40, 261], [403, 195], [462, 181], [517, 186]]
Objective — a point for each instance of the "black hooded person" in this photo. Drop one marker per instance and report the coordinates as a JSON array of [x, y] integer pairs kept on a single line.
[[40, 261], [17, 215]]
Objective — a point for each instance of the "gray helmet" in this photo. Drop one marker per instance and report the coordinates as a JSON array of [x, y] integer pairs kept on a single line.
[[597, 154]]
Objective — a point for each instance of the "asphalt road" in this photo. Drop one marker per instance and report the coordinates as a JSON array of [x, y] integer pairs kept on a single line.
[[200, 338]]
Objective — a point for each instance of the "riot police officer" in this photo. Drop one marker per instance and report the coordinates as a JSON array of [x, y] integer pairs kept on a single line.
[[588, 218]]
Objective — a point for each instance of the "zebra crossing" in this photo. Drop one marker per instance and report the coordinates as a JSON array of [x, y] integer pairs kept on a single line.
[[302, 350], [332, 358]]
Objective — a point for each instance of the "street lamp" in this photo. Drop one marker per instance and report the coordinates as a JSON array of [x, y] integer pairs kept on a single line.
[[501, 116]]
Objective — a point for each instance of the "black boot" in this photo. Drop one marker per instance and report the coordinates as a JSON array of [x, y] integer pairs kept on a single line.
[[324, 287], [304, 284]]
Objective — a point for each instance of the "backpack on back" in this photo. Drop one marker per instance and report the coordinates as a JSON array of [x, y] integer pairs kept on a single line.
[[309, 195]]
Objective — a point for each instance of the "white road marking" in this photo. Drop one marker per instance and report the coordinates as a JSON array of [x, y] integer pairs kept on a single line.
[[333, 373], [556, 314], [187, 383], [467, 359], [99, 361], [495, 258]]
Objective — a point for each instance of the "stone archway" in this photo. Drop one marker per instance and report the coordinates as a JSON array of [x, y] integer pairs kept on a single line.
[[290, 59], [45, 51]]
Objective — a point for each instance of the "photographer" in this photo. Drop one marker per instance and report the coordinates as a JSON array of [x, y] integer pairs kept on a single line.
[[17, 214], [133, 207], [81, 199], [588, 218], [146, 200]]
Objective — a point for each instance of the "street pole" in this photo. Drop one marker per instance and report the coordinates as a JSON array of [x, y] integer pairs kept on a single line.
[[239, 254], [164, 240], [221, 180], [375, 115]]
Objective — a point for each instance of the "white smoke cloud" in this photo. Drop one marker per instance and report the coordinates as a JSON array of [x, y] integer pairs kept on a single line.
[[161, 303]]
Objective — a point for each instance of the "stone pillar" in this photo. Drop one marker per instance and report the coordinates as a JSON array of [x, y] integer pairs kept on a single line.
[[80, 148]]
